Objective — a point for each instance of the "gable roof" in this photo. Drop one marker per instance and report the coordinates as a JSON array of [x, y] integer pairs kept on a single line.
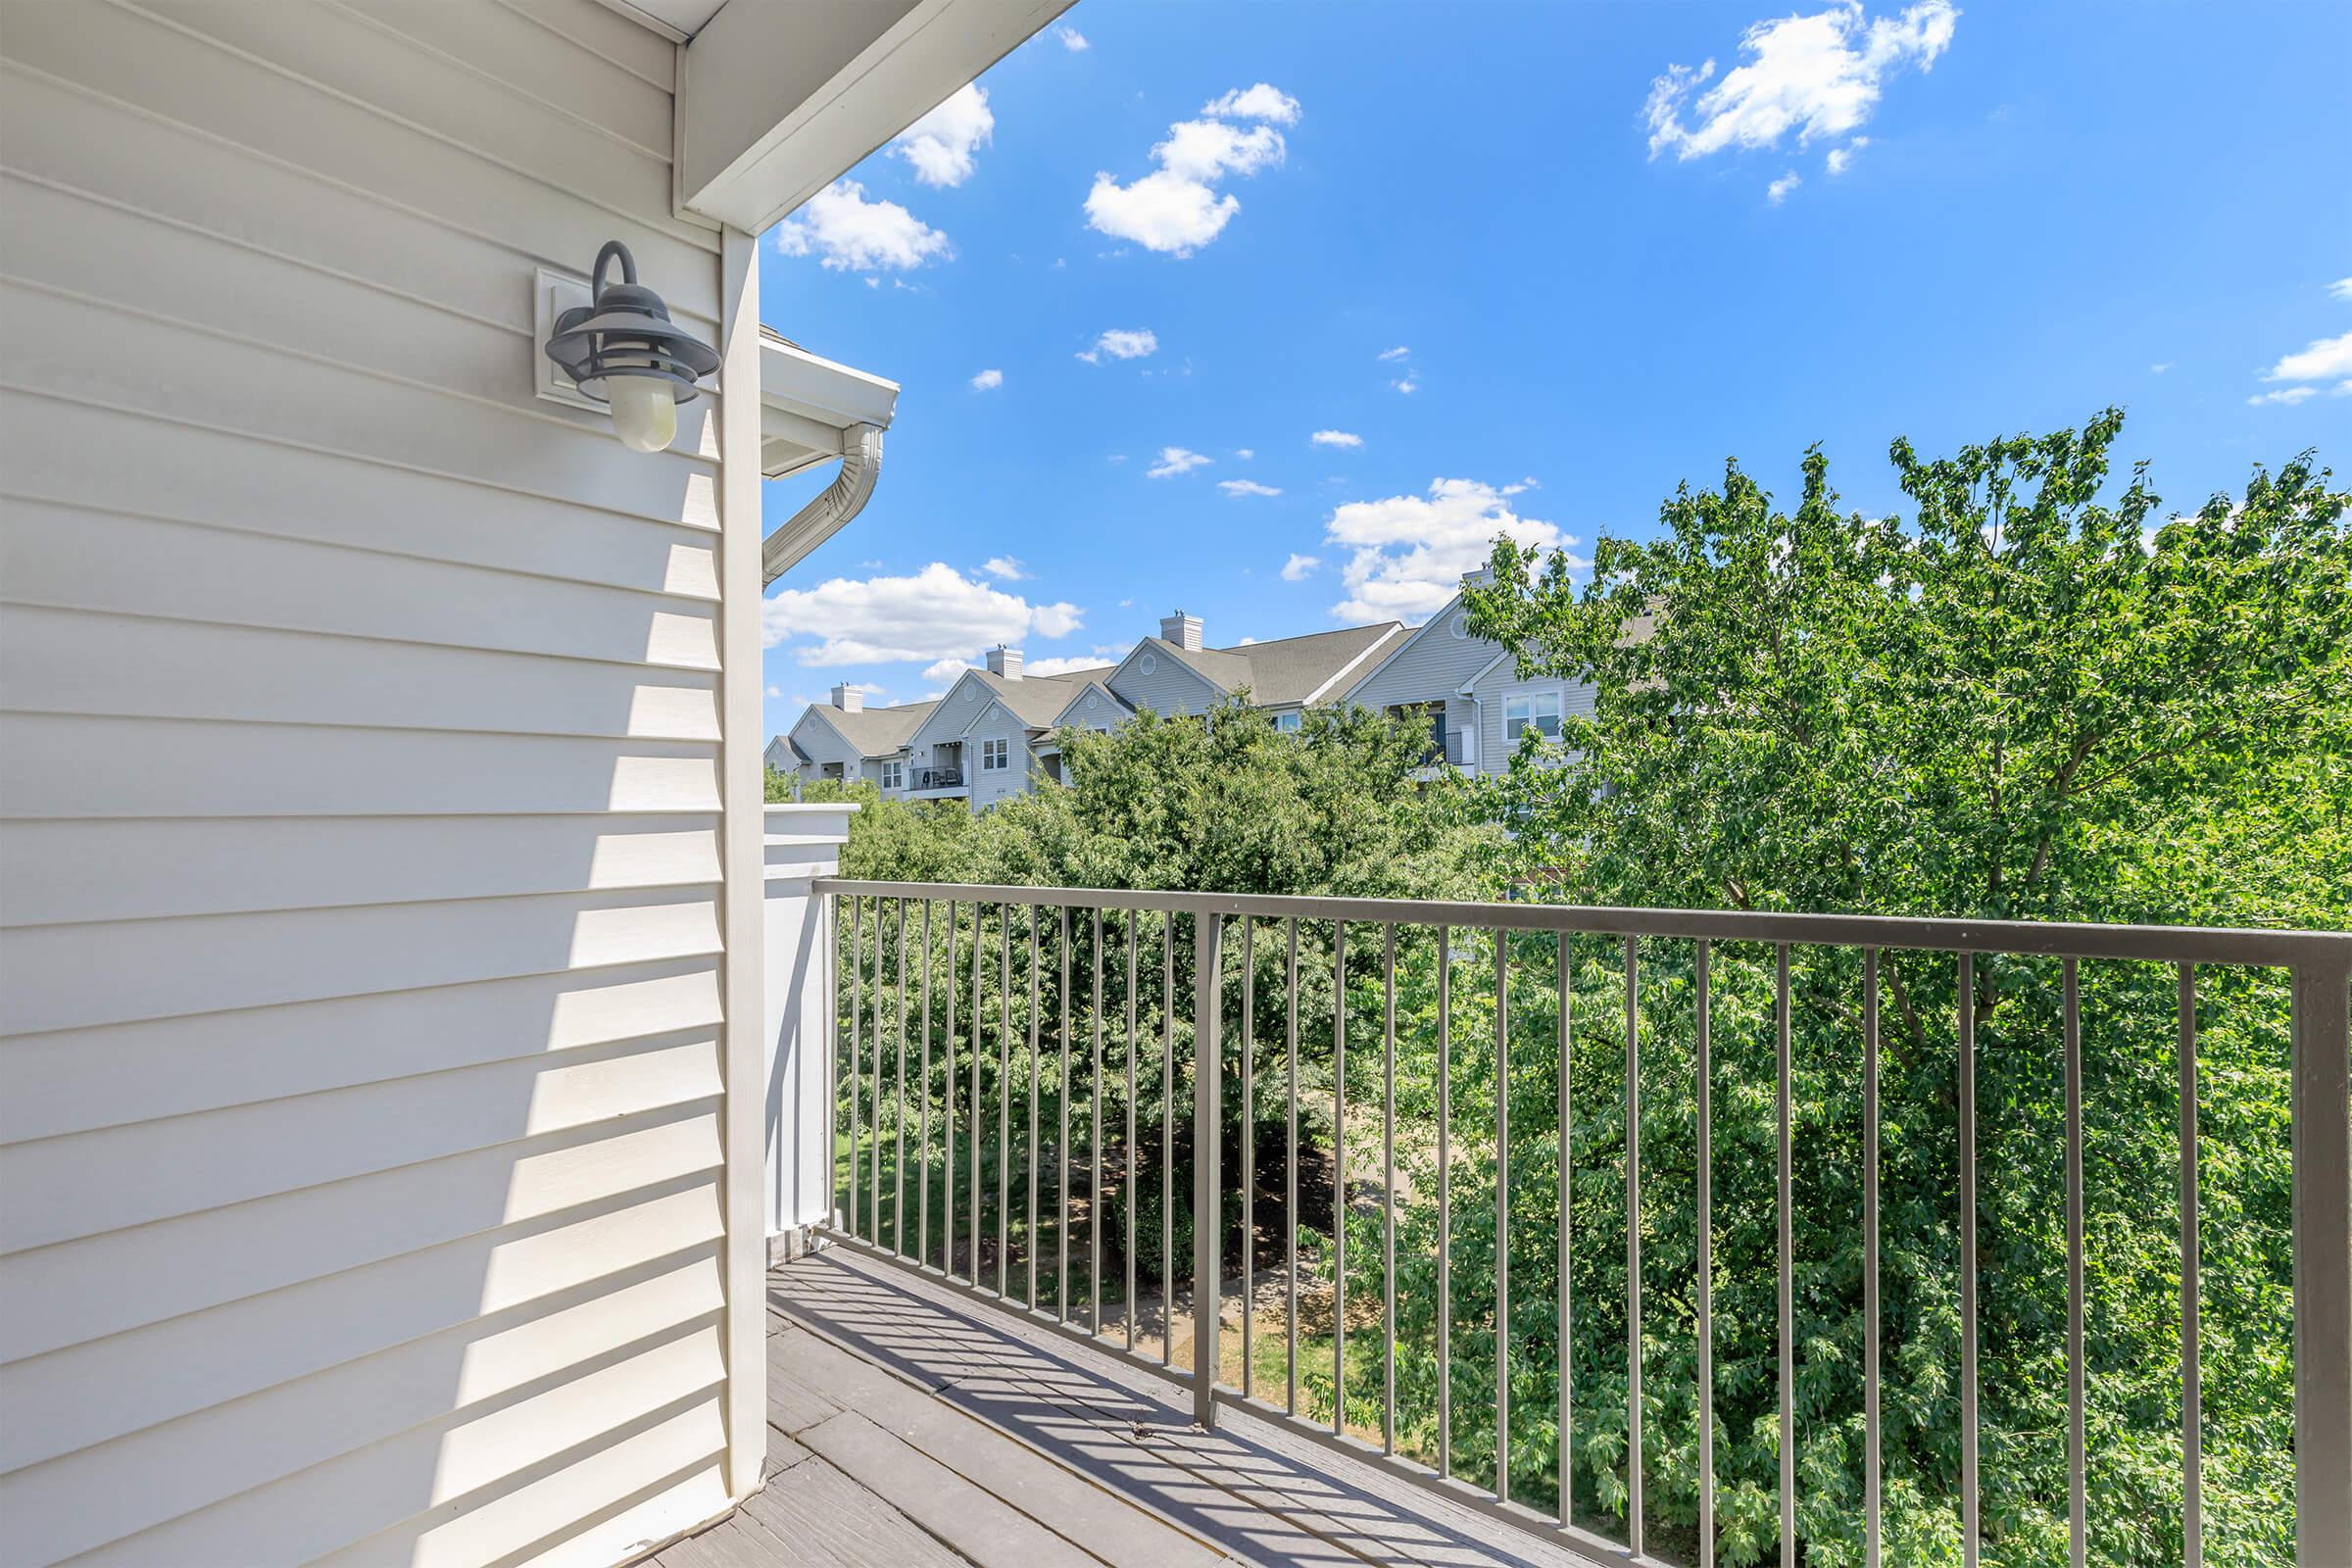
[[874, 731], [1092, 683], [1296, 669]]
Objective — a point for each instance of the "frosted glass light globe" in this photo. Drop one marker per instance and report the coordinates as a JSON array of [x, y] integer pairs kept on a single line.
[[644, 413]]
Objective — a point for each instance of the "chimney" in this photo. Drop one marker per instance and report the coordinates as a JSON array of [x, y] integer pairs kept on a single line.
[[1482, 577], [1181, 629], [848, 699], [1004, 661]]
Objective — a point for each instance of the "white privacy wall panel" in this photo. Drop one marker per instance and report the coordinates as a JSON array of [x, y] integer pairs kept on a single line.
[[360, 1044]]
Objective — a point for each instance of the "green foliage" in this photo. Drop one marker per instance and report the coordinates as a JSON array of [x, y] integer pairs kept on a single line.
[[2023, 702]]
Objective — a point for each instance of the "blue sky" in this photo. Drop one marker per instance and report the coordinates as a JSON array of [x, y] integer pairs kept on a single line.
[[1947, 222]]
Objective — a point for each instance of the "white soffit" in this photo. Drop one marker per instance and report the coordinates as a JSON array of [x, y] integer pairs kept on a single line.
[[776, 100], [675, 20]]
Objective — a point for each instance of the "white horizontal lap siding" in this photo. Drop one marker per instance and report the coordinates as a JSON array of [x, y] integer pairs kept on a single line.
[[362, 1057]]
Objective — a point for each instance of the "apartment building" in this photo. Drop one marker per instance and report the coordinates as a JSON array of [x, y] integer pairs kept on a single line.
[[996, 731]]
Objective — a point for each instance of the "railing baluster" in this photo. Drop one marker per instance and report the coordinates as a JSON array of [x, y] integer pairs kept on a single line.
[[1036, 1001], [1502, 1216], [1387, 1189], [1968, 1521], [2322, 1207], [1704, 1072], [922, 1197], [1338, 1175], [2192, 1450], [1167, 1141], [947, 1112], [1208, 1206], [1871, 1502], [1445, 1202], [1633, 1251], [1566, 1370], [2078, 1495], [1785, 1270], [856, 1010], [1061, 1148], [1249, 1154], [897, 1108], [1094, 1144], [1127, 1172], [1004, 1106], [979, 1111], [1289, 1209]]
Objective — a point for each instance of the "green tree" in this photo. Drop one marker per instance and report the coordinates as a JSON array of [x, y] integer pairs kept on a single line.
[[2033, 697]]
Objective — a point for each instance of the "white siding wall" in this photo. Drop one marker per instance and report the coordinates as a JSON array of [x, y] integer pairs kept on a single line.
[[1172, 687], [361, 1051], [1494, 749]]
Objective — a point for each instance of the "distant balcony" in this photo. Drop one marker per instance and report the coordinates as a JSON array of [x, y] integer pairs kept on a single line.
[[938, 780]]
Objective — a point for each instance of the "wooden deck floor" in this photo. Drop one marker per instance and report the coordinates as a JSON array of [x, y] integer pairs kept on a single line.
[[911, 1428]]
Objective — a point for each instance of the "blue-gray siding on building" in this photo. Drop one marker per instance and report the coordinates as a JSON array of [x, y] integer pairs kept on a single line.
[[1171, 687]]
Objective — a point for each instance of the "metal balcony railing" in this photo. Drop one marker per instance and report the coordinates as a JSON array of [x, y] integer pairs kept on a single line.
[[1578, 1014], [939, 778]]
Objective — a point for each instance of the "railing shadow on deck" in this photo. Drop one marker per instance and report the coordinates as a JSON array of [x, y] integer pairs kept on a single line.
[[1129, 1433]]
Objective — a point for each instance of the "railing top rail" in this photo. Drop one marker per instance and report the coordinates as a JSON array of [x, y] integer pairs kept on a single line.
[[2164, 944]]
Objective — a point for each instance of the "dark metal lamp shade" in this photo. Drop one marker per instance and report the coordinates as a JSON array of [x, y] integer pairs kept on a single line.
[[626, 332]]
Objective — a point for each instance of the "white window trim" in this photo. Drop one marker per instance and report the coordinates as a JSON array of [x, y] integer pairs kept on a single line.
[[996, 755], [1531, 695]]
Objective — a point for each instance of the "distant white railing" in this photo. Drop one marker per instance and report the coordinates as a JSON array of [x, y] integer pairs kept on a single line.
[[1059, 928]]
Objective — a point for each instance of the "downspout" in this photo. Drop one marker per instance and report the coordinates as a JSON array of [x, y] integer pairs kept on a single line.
[[831, 508]]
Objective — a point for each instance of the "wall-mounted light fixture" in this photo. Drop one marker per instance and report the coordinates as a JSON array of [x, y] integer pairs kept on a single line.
[[624, 350]]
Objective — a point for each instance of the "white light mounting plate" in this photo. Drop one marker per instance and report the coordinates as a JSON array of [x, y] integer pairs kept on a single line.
[[552, 294]]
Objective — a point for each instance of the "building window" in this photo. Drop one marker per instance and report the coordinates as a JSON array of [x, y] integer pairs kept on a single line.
[[893, 775], [993, 755], [1539, 711], [1287, 723]]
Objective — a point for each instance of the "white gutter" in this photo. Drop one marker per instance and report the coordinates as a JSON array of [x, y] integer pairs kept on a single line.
[[831, 508]]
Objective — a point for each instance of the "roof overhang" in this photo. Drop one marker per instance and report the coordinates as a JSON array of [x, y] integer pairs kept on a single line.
[[811, 407], [775, 100]]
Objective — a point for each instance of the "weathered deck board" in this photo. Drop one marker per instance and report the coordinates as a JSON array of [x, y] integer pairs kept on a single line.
[[1251, 1489]]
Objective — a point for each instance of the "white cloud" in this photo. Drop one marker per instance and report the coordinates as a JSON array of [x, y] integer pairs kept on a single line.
[[1004, 567], [1261, 102], [988, 380], [1299, 567], [1841, 159], [1174, 461], [775, 691], [2160, 368], [1246, 487], [1777, 191], [940, 145], [1396, 353], [1072, 39], [1336, 438], [2321, 359], [1176, 209], [1062, 666], [2290, 396], [1123, 343], [1406, 383], [1819, 76], [1408, 554], [946, 670], [2341, 289], [851, 233], [935, 613], [1244, 453]]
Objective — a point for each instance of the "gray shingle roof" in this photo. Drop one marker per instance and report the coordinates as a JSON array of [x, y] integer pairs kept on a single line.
[[877, 731], [1294, 668]]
